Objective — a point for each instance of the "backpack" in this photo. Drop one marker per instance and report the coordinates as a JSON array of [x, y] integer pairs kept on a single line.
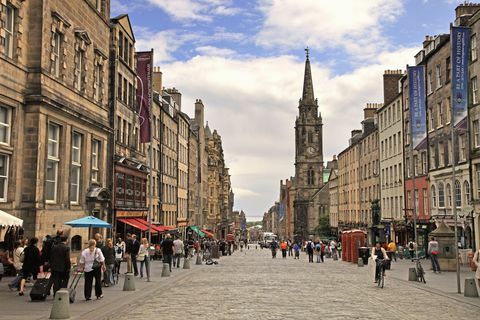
[[118, 250], [318, 247], [410, 245]]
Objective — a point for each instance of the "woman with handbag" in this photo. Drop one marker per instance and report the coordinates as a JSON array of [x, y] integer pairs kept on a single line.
[[108, 252], [143, 257], [476, 262], [92, 263]]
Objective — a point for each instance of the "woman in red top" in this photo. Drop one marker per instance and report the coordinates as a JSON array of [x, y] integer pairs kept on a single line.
[[283, 247]]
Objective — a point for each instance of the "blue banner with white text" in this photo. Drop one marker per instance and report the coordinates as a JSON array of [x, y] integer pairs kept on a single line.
[[418, 112], [460, 40]]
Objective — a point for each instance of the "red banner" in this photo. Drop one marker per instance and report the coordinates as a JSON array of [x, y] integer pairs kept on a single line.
[[144, 61]]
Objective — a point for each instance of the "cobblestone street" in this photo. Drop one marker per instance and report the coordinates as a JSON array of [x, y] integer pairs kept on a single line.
[[253, 286]]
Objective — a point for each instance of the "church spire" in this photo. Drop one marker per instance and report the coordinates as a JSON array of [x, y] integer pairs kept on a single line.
[[307, 95]]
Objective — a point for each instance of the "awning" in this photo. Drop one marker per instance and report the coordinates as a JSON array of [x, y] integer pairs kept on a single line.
[[7, 219], [134, 223], [208, 233], [165, 228], [197, 231]]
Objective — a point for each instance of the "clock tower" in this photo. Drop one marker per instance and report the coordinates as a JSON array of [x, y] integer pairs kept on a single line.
[[308, 156]]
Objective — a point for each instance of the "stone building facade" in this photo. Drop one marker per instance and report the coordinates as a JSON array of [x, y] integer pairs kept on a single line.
[[333, 199], [128, 155], [183, 169], [55, 94], [369, 173], [390, 125]]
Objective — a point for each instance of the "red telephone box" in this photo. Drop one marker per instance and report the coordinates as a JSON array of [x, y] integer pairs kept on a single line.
[[344, 245], [357, 240], [348, 248]]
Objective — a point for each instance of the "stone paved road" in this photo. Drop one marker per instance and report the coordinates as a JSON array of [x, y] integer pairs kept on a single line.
[[254, 286]]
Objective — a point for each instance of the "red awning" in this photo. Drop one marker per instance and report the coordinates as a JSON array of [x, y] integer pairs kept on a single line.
[[134, 223], [155, 229], [165, 228], [208, 233]]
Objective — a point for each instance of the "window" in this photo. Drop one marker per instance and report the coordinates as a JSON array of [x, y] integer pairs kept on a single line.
[[449, 196], [425, 202], [458, 194], [431, 119], [429, 82], [9, 28], [434, 197], [4, 162], [310, 177], [76, 166], [95, 159], [120, 44], [79, 66], [466, 192], [125, 91], [5, 123], [474, 90], [119, 87], [476, 133], [473, 47], [56, 53], [441, 153], [477, 173], [448, 110], [99, 5], [448, 73], [462, 145], [438, 77], [98, 82], [51, 177], [441, 196], [440, 114]]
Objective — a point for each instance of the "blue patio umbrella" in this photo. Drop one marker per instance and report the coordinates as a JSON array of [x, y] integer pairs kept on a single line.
[[88, 222]]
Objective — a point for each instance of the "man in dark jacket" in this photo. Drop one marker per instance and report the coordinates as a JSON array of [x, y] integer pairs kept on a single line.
[[60, 264], [128, 252], [135, 249]]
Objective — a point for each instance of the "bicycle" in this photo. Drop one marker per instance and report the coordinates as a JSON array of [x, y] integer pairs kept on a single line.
[[419, 270], [381, 275]]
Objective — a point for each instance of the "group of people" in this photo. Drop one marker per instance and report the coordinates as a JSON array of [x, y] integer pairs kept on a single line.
[[317, 248], [100, 261]]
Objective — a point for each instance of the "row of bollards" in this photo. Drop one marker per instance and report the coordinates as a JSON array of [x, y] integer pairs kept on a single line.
[[61, 303]]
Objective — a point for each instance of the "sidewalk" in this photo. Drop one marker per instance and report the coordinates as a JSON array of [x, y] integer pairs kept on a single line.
[[444, 283], [15, 307]]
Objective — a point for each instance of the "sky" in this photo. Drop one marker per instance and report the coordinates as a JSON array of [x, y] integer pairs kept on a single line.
[[245, 60]]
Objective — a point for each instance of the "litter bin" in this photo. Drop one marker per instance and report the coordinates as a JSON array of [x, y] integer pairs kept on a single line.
[[364, 253]]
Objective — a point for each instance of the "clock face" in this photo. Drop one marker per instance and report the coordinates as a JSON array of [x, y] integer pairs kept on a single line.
[[311, 150]]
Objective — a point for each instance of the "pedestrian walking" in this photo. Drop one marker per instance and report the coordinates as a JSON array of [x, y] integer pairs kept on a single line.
[[392, 250], [31, 263], [283, 247], [167, 250], [143, 257], [274, 247], [60, 264], [411, 249], [296, 249], [476, 262], [178, 248], [333, 249], [128, 252], [18, 258], [92, 263], [310, 247], [318, 251], [108, 252], [433, 251], [99, 239], [135, 249], [323, 248], [119, 254], [339, 249], [290, 249]]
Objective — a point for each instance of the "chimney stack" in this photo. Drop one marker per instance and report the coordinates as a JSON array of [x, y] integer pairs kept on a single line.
[[390, 85]]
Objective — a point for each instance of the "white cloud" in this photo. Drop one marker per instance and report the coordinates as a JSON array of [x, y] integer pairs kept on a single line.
[[198, 10], [323, 24], [253, 104], [214, 51]]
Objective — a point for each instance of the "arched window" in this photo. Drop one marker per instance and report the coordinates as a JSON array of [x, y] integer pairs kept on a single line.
[[449, 196], [310, 177], [466, 191], [458, 194], [76, 243], [434, 196], [441, 195]]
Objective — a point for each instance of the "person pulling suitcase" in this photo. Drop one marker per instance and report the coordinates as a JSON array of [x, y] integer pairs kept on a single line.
[[60, 264]]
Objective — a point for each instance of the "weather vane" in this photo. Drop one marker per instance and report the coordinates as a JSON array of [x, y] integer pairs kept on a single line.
[[307, 51]]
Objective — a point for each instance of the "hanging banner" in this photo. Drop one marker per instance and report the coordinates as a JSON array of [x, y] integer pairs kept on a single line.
[[460, 40], [144, 62], [281, 213], [418, 114]]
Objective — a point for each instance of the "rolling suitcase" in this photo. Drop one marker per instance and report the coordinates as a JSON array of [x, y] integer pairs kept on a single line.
[[39, 290], [72, 289]]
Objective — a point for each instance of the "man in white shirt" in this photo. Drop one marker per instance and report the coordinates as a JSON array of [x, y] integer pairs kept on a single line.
[[177, 252]]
